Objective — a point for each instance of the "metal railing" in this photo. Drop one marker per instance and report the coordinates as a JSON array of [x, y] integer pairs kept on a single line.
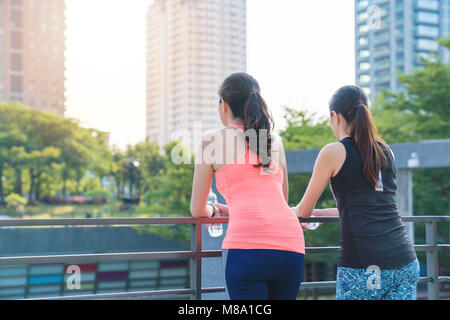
[[196, 254]]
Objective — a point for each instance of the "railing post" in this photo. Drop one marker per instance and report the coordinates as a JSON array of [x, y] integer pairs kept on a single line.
[[196, 262], [432, 260], [405, 199]]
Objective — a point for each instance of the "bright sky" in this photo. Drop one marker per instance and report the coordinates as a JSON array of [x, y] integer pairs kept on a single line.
[[300, 51]]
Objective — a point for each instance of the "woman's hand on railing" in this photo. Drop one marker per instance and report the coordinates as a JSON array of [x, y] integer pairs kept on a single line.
[[310, 225], [223, 210], [330, 212]]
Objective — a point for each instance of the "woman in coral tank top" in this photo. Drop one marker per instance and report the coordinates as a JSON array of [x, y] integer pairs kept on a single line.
[[264, 246]]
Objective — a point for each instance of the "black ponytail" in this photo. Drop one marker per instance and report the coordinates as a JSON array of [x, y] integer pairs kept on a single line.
[[351, 102], [243, 95]]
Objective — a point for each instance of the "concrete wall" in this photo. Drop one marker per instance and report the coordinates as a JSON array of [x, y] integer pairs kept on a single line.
[[66, 240]]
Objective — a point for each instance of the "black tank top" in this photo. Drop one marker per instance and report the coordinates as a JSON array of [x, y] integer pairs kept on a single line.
[[372, 232]]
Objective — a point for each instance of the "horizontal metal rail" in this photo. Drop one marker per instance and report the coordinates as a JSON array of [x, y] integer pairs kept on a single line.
[[170, 221], [195, 254], [135, 294]]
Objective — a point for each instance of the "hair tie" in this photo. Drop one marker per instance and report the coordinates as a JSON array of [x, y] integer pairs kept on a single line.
[[359, 104]]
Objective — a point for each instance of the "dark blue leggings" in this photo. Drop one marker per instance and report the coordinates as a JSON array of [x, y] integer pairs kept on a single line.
[[261, 274]]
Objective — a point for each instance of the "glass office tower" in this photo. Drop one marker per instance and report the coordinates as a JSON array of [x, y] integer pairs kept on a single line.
[[392, 35]]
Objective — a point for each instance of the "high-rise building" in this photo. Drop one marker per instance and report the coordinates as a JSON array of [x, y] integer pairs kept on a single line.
[[392, 35], [32, 53], [192, 45]]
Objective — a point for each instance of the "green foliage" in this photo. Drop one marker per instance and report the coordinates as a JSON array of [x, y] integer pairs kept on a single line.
[[43, 150], [165, 184], [304, 132], [170, 189], [13, 200], [100, 193], [421, 112]]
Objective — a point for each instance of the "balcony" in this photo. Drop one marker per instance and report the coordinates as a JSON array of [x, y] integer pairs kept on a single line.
[[382, 65], [381, 53], [196, 254]]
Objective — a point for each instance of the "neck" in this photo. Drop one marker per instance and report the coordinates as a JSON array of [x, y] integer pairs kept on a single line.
[[342, 134], [236, 122]]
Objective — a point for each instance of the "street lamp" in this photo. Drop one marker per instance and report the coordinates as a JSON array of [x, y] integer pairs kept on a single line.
[[132, 165], [414, 161]]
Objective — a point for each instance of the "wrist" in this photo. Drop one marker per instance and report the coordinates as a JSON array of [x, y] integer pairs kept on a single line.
[[214, 210]]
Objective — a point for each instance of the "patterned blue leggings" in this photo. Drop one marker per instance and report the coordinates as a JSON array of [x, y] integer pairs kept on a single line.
[[375, 284]]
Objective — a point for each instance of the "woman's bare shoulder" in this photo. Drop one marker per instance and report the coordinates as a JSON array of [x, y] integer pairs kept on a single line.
[[332, 153]]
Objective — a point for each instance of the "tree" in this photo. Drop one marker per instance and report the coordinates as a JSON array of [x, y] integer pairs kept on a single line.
[[170, 188], [304, 132], [167, 186], [13, 122], [420, 112], [37, 162], [41, 144], [117, 170]]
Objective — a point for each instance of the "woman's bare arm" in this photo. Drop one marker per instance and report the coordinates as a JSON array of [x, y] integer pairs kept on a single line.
[[201, 185], [330, 212], [330, 158], [279, 155]]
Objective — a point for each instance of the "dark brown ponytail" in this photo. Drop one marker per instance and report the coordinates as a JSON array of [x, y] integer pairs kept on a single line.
[[351, 102], [243, 95]]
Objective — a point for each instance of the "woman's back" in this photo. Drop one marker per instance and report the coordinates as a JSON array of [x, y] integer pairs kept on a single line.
[[264, 246], [260, 217], [372, 231]]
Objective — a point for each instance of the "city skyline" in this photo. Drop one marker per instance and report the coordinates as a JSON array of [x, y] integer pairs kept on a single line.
[[392, 36], [300, 59]]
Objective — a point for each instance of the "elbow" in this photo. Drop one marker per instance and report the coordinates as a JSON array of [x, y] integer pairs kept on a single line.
[[302, 213], [305, 215], [194, 211], [198, 212]]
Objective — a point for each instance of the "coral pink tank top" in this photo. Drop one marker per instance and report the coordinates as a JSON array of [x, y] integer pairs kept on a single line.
[[260, 218]]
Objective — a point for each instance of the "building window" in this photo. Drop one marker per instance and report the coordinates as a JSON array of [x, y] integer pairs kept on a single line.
[[427, 17], [16, 40], [428, 4], [364, 66], [363, 16], [363, 41], [364, 53], [16, 84], [425, 44], [364, 78], [363, 28], [16, 18], [363, 4], [16, 62], [427, 31], [17, 3]]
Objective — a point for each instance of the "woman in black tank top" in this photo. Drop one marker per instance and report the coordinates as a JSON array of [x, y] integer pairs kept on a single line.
[[361, 167]]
